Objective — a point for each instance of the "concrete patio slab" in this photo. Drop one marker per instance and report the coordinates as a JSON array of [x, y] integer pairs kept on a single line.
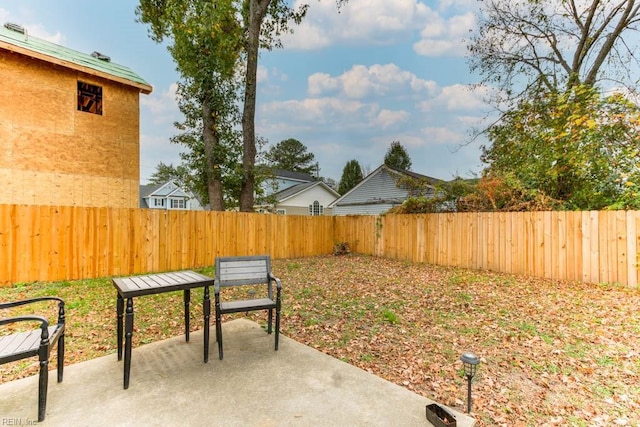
[[253, 386]]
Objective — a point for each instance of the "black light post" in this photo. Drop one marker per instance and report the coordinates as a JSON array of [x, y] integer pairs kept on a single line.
[[470, 362]]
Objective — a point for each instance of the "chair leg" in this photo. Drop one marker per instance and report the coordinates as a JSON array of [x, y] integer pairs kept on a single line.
[[206, 308], [277, 327], [42, 389], [219, 334], [269, 321], [60, 357]]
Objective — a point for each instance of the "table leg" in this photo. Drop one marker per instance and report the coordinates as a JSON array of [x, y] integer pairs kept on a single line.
[[206, 308], [128, 334], [119, 313], [187, 300]]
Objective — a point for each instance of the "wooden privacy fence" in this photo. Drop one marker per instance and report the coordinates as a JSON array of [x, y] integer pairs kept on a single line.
[[594, 247], [63, 243]]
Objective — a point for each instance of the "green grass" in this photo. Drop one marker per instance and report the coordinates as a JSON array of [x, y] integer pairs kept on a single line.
[[390, 316], [413, 321]]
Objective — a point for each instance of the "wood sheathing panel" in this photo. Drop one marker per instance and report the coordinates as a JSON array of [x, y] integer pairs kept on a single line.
[[53, 154]]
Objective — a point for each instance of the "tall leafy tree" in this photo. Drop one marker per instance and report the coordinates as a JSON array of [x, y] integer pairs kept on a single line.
[[292, 155], [550, 61], [206, 43], [225, 155], [164, 173], [217, 33], [577, 147], [397, 156], [264, 22], [351, 176]]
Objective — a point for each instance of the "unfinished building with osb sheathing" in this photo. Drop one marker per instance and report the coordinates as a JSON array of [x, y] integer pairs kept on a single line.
[[69, 125]]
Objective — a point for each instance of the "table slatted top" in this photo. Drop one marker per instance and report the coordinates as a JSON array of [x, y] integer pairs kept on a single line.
[[134, 286]]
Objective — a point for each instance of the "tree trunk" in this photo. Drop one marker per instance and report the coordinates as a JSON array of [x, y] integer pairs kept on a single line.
[[257, 11], [211, 141]]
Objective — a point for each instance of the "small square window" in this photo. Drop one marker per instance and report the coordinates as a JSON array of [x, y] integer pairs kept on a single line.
[[89, 98]]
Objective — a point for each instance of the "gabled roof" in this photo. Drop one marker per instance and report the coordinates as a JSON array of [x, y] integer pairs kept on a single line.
[[149, 189], [396, 171], [295, 190], [24, 44], [428, 179], [297, 176], [163, 190]]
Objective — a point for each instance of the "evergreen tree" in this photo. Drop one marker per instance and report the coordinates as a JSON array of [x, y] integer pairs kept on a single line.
[[165, 173], [291, 155], [351, 176], [397, 156]]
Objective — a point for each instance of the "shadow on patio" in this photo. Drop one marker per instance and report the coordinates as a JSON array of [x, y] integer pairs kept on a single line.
[[252, 386]]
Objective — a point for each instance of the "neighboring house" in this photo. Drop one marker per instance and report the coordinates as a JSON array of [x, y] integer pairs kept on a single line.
[[377, 192], [168, 196], [69, 125], [282, 179], [297, 193]]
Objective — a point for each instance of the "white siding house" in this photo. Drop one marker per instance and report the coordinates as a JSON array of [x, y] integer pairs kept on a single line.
[[309, 198], [167, 196]]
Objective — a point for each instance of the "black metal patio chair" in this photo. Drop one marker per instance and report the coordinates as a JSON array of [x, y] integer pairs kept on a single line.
[[21, 344]]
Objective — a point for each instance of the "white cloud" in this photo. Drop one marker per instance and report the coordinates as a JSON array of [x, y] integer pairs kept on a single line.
[[388, 118], [457, 97], [4, 15], [441, 135], [262, 75], [377, 80], [383, 22], [33, 29], [320, 83], [445, 36], [38, 30], [359, 21], [320, 110], [161, 105]]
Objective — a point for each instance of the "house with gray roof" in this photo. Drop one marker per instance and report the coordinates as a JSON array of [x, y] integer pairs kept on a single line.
[[168, 196], [296, 193], [379, 191]]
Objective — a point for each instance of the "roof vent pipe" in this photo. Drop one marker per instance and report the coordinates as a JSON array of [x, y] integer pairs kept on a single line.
[[15, 27], [100, 56]]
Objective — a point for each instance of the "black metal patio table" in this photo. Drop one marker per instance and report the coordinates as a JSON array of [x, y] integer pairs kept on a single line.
[[135, 286]]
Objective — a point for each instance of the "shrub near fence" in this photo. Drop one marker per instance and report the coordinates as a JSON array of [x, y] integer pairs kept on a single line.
[[64, 243]]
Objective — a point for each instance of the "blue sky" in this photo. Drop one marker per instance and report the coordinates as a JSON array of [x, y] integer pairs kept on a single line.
[[346, 84]]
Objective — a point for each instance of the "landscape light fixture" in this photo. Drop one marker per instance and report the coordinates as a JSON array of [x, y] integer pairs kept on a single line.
[[470, 362]]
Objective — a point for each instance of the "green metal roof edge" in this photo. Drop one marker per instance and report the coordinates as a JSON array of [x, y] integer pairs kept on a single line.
[[60, 52]]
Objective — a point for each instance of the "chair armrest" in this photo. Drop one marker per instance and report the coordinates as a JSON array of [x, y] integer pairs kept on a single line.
[[274, 278], [29, 301], [61, 315], [44, 323]]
